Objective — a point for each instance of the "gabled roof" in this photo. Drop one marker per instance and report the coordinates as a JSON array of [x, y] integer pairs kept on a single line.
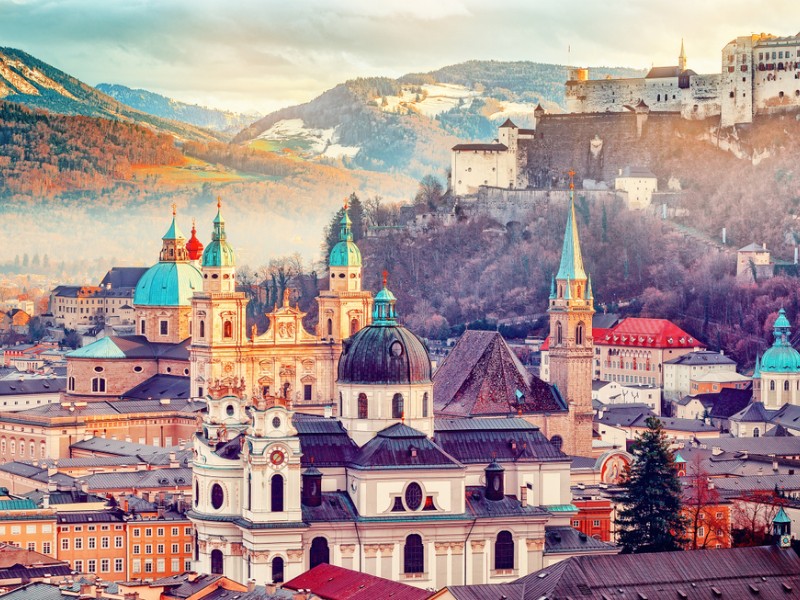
[[753, 413], [647, 333], [729, 401], [123, 277], [101, 349], [401, 447], [131, 346], [701, 357], [323, 441], [564, 539], [159, 386], [753, 248], [337, 583], [10, 387], [481, 376]]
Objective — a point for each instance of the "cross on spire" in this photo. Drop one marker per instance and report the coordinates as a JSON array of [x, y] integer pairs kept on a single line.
[[345, 203], [385, 277], [174, 209], [571, 174], [219, 201]]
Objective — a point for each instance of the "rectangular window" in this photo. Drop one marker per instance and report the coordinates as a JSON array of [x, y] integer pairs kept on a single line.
[[91, 565], [174, 531], [160, 532], [307, 391], [105, 542], [137, 565], [187, 531], [32, 546], [78, 566], [118, 542], [137, 549], [148, 566], [47, 528], [119, 565], [176, 564], [160, 549], [187, 548], [78, 543], [161, 565], [187, 564], [136, 532], [104, 527], [163, 327], [45, 547], [65, 543], [30, 528], [148, 532], [175, 548], [92, 543], [148, 549], [105, 565], [91, 528], [16, 530], [576, 523], [596, 523]]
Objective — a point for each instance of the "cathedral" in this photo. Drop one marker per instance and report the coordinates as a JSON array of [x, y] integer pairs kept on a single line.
[[392, 486]]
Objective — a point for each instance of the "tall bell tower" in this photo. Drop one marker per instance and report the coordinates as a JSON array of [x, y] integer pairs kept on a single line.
[[218, 316], [571, 348], [344, 307]]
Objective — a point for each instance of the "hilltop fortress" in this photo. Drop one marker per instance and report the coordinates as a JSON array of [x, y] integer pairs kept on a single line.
[[613, 124]]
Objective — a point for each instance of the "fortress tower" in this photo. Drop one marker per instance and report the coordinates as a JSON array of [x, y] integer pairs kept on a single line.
[[571, 309]]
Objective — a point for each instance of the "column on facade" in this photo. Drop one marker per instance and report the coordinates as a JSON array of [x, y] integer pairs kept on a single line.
[[478, 564]]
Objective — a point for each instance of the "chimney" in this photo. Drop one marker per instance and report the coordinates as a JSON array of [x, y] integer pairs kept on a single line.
[[764, 245], [173, 461], [523, 496], [251, 585], [716, 451], [271, 588], [774, 462], [86, 590], [328, 411]]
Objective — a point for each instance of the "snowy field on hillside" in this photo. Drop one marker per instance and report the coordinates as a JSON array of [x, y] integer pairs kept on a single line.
[[293, 134]]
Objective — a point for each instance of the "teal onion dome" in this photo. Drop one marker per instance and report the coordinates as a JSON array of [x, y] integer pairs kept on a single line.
[[219, 252], [781, 357], [168, 284], [345, 253]]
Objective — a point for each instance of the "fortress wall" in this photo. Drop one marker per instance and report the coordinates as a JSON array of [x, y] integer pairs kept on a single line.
[[521, 205], [768, 86], [596, 146]]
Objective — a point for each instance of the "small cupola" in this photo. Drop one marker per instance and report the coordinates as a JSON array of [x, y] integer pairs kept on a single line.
[[312, 486], [494, 481], [782, 529]]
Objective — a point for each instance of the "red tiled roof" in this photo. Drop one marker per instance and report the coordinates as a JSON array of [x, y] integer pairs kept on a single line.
[[646, 333], [545, 345], [337, 583]]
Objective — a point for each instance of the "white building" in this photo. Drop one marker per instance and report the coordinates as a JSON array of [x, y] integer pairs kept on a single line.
[[613, 392], [679, 372], [637, 185]]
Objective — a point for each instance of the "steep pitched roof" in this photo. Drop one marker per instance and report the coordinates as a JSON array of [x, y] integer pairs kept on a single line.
[[481, 376], [753, 413], [571, 265], [701, 357], [400, 446]]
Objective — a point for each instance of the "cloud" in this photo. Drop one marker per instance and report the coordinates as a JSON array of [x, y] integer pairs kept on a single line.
[[260, 55]]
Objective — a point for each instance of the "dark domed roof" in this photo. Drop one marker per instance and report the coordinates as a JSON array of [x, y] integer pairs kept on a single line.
[[384, 354]]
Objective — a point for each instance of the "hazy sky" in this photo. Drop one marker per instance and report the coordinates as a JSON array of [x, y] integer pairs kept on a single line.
[[264, 54]]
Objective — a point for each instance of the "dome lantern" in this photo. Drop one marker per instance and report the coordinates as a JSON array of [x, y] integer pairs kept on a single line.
[[383, 311]]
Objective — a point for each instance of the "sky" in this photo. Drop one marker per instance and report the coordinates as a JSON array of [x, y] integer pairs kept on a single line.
[[261, 55]]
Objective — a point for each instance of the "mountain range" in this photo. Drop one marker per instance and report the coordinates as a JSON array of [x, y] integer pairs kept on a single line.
[[224, 121], [26, 80]]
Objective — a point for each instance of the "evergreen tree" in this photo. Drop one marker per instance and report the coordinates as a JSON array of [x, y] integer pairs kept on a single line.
[[651, 519], [356, 216], [332, 235]]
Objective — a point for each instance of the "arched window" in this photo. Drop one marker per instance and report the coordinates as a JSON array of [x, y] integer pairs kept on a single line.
[[99, 385], [330, 326], [227, 329], [353, 326], [71, 384], [786, 385], [42, 450], [217, 496], [216, 562], [504, 551], [196, 492], [21, 448], [557, 441], [202, 329], [397, 406], [579, 334], [319, 552], [413, 555], [425, 404], [276, 493], [772, 386], [249, 491], [756, 432], [277, 570], [196, 546], [141, 327], [363, 406], [559, 334]]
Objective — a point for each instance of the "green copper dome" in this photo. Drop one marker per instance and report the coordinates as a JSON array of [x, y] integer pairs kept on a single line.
[[168, 284], [345, 253], [781, 357], [219, 252]]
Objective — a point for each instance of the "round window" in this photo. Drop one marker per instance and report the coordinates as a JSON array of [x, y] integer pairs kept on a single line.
[[137, 369], [217, 496], [396, 348], [276, 422], [413, 496], [229, 410], [98, 369]]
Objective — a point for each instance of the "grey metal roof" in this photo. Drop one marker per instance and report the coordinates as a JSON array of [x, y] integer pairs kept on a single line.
[[35, 591], [481, 445], [335, 507], [44, 385], [478, 506], [701, 357], [158, 478], [567, 539], [753, 413], [483, 424], [401, 447], [160, 386], [120, 447]]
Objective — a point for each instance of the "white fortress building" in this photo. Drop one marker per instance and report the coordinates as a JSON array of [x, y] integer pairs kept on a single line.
[[760, 74]]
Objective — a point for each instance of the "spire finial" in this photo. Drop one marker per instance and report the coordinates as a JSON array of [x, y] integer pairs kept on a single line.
[[174, 209], [346, 205], [385, 277], [219, 201], [571, 174]]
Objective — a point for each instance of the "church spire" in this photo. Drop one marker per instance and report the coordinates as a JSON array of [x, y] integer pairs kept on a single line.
[[571, 266], [682, 58]]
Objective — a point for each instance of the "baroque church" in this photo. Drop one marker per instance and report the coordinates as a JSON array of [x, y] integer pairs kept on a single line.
[[394, 486]]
